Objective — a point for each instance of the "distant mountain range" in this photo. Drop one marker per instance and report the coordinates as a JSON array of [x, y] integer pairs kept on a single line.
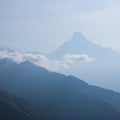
[[59, 97], [78, 44], [103, 71]]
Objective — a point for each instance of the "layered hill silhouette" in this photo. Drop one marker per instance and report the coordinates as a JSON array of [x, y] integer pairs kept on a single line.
[[102, 71], [58, 96]]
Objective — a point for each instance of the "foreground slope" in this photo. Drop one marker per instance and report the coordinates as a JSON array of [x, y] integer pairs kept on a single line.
[[15, 108], [7, 112], [60, 97]]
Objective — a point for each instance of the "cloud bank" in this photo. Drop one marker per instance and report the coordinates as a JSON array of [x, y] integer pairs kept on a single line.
[[43, 61]]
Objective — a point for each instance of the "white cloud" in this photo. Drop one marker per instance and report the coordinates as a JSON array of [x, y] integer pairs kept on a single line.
[[73, 58], [15, 56], [43, 61]]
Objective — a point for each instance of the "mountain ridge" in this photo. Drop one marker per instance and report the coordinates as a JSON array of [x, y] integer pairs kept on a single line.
[[61, 97]]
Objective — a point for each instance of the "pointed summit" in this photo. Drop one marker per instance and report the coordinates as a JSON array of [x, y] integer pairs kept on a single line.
[[78, 35], [79, 44], [78, 40]]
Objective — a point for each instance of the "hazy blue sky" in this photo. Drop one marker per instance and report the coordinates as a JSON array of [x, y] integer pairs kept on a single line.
[[42, 25]]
